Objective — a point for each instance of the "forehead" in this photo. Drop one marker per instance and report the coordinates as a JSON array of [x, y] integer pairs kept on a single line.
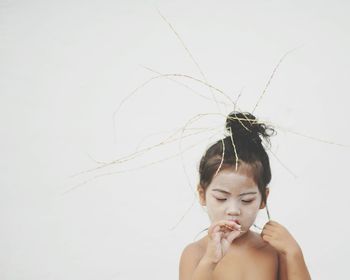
[[231, 181]]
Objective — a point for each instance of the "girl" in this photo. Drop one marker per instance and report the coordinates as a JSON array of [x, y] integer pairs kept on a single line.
[[234, 175]]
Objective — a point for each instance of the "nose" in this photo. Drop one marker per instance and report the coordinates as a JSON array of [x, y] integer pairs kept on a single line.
[[233, 210]]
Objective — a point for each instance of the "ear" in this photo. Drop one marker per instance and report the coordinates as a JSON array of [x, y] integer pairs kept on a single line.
[[262, 205], [201, 194]]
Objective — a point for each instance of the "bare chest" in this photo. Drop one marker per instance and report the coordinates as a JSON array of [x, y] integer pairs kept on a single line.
[[247, 265]]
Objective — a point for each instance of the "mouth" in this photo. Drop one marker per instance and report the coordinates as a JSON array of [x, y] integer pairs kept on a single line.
[[236, 221]]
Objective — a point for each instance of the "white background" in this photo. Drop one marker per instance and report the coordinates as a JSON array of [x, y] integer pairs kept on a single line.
[[67, 65]]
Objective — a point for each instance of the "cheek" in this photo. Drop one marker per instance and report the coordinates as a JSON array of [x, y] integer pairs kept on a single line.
[[215, 210], [254, 207], [251, 211]]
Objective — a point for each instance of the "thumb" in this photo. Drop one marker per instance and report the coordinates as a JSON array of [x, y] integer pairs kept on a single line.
[[233, 235]]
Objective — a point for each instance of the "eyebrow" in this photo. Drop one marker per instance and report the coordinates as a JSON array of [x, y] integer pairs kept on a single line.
[[226, 192]]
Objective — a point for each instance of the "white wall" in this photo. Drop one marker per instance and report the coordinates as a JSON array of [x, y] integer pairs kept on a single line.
[[65, 67]]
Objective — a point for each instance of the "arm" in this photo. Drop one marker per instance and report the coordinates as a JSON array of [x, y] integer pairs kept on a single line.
[[282, 267], [199, 264], [193, 266], [204, 270], [291, 259], [296, 266]]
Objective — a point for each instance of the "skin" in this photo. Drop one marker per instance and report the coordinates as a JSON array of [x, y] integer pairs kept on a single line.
[[233, 200], [230, 196], [279, 237]]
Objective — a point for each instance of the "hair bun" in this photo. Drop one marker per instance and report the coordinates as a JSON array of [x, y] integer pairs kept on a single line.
[[245, 125]]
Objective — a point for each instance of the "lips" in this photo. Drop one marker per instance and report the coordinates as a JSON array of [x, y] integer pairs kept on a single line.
[[236, 221]]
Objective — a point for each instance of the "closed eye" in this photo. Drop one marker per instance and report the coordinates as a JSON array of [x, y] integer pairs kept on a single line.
[[244, 201]]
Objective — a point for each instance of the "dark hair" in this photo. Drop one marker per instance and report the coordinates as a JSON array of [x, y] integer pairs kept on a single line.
[[245, 147]]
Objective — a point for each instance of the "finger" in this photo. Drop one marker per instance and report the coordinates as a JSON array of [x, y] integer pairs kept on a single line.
[[269, 226], [232, 236], [267, 231], [229, 224], [214, 233], [267, 238], [234, 224], [217, 236], [264, 236], [272, 222], [226, 222], [276, 228], [215, 227], [226, 227]]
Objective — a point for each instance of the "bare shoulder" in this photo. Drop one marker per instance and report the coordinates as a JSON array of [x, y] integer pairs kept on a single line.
[[263, 247], [190, 257], [267, 256]]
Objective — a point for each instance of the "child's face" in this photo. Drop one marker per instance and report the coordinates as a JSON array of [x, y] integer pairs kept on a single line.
[[232, 196]]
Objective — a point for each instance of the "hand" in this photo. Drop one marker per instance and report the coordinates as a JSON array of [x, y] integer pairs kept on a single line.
[[279, 238], [221, 234]]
